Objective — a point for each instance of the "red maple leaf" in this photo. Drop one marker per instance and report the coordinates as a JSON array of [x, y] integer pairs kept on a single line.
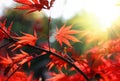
[[27, 39], [19, 76], [63, 35], [20, 57], [55, 61], [63, 77], [6, 64], [34, 5], [5, 61], [4, 31]]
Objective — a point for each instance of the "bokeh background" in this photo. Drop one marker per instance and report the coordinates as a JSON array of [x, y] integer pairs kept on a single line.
[[96, 20]]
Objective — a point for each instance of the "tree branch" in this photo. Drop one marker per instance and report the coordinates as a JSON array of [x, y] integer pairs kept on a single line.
[[55, 54], [62, 58]]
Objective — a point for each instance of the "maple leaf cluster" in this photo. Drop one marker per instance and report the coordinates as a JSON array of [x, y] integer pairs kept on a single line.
[[34, 5], [101, 63], [9, 64]]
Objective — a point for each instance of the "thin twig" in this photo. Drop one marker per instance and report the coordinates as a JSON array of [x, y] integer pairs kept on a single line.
[[49, 20], [4, 45]]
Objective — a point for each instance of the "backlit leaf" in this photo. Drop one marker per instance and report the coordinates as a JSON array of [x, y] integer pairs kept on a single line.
[[27, 39], [64, 35], [34, 5]]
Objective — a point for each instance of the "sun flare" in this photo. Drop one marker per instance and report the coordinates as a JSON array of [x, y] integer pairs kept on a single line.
[[106, 11]]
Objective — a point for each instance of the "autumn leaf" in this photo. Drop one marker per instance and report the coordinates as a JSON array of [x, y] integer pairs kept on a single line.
[[46, 47], [4, 31], [5, 61], [55, 61], [27, 39], [63, 35], [64, 77], [19, 76], [58, 77], [34, 5], [21, 56], [26, 60]]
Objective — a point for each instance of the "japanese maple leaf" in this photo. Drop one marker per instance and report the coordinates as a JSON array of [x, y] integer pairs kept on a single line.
[[7, 64], [58, 77], [63, 77], [5, 61], [21, 56], [55, 61], [4, 31], [64, 34], [27, 39], [19, 76], [34, 5]]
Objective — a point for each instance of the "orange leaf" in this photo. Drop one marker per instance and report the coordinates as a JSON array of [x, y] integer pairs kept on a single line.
[[5, 61], [63, 35], [21, 56], [3, 34], [27, 39], [34, 5], [26, 60], [19, 76], [55, 61]]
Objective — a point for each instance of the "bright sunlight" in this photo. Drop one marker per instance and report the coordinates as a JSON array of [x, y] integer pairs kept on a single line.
[[106, 11]]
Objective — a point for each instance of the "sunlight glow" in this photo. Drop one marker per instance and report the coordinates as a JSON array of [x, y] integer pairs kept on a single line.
[[105, 11], [5, 4]]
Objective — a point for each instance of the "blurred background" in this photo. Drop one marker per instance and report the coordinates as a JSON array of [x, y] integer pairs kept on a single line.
[[97, 21]]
